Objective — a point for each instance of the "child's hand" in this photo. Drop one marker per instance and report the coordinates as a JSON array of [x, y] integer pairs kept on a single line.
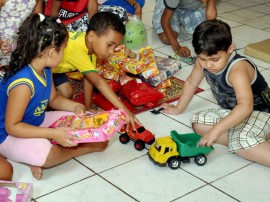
[[63, 138], [80, 110], [5, 47], [93, 111], [131, 120], [2, 3], [208, 139], [184, 51], [170, 109]]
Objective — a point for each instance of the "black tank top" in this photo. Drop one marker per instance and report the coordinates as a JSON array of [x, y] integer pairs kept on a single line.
[[224, 93]]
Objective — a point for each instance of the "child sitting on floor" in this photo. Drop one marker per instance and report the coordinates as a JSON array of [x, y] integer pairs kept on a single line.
[[105, 32], [23, 137], [243, 120]]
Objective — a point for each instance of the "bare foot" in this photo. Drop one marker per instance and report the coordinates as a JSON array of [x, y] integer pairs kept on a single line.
[[36, 172]]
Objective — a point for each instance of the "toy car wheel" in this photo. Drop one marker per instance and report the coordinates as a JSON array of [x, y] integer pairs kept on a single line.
[[174, 163], [139, 145], [124, 138], [200, 160], [151, 141]]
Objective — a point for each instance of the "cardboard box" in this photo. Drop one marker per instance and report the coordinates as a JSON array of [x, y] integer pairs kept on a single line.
[[15, 191]]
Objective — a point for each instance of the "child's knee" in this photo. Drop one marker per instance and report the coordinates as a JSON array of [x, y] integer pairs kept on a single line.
[[6, 171], [65, 90]]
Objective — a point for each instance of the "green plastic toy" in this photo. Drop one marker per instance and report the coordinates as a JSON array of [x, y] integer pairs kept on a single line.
[[178, 148]]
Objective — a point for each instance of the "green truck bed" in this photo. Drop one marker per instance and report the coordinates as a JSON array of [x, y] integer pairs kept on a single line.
[[187, 144]]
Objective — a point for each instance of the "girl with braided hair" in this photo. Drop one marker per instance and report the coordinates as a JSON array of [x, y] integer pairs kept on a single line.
[[27, 90]]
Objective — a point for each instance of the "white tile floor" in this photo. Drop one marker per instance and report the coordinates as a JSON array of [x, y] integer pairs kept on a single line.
[[123, 174]]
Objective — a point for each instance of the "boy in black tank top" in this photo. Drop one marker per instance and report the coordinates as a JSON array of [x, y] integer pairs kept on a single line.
[[243, 120]]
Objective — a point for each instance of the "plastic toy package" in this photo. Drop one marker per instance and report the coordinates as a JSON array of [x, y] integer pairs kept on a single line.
[[15, 191], [97, 127], [139, 93], [136, 35]]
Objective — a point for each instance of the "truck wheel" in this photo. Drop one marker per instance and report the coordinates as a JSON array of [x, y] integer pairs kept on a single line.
[[200, 160], [174, 163], [139, 145], [124, 138], [151, 141]]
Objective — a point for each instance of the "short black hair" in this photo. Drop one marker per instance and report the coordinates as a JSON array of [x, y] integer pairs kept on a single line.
[[102, 22], [212, 36]]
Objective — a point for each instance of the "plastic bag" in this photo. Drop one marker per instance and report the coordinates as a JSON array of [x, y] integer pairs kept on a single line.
[[136, 36]]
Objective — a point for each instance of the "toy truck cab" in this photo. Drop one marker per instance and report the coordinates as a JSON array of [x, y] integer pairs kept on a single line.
[[178, 148], [165, 151]]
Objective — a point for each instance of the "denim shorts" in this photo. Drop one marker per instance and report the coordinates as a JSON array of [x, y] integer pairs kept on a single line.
[[186, 20]]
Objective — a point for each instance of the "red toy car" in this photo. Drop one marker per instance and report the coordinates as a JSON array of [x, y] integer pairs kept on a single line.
[[140, 136]]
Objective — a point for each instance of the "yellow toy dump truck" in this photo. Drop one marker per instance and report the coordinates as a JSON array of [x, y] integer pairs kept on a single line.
[[178, 148]]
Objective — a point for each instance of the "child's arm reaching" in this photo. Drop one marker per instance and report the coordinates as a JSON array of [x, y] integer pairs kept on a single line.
[[190, 86], [88, 92], [211, 10], [61, 103], [38, 7], [166, 26], [92, 8], [96, 80], [55, 8], [240, 78]]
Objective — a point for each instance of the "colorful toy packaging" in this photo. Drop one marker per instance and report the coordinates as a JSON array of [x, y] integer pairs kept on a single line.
[[167, 68], [15, 191], [146, 55], [97, 127], [126, 61]]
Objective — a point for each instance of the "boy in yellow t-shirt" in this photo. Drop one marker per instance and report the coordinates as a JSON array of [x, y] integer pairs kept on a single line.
[[105, 32]]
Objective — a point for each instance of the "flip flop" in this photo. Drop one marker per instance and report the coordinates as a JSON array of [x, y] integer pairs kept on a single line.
[[157, 111]]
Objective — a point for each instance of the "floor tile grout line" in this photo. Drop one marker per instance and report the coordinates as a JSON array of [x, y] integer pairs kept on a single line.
[[63, 187]]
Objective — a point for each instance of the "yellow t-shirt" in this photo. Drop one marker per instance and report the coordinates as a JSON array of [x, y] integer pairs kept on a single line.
[[76, 56]]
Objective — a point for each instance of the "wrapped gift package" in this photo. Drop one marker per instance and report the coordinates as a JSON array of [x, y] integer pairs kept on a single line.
[[126, 51], [115, 86], [97, 127], [166, 70], [75, 75], [102, 102], [146, 55], [139, 93]]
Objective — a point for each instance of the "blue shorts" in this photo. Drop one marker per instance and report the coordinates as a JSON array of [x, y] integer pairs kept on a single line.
[[59, 79], [124, 4], [186, 20]]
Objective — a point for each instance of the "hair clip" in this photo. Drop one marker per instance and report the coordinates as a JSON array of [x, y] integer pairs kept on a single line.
[[41, 17], [58, 21]]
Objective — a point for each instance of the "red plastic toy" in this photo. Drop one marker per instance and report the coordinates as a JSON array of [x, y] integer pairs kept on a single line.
[[137, 92], [140, 136]]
